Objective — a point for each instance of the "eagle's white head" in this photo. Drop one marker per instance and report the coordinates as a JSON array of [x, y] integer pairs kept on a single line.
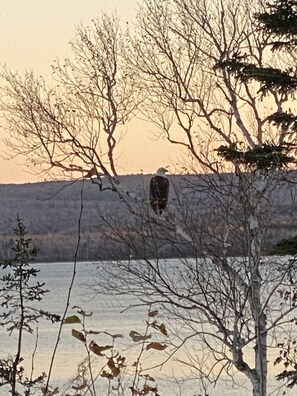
[[161, 172]]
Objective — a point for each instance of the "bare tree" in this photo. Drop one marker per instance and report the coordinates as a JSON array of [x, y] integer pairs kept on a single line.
[[209, 81], [75, 126], [217, 89], [208, 298]]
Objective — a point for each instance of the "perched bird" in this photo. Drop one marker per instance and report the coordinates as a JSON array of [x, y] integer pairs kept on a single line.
[[92, 172], [159, 189]]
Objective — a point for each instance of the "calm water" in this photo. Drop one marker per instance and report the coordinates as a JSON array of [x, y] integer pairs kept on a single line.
[[108, 315]]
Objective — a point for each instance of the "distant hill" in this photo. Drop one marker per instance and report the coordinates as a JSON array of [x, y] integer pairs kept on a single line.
[[50, 211]]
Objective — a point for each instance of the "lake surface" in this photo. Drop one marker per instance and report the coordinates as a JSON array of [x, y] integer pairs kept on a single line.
[[109, 314]]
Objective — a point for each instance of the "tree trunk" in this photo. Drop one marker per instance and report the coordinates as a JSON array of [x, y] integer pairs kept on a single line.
[[256, 203]]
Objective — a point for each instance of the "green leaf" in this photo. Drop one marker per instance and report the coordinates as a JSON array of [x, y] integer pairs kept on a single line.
[[72, 319]]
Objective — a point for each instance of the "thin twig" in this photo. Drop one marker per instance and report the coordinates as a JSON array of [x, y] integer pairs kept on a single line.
[[69, 290], [33, 355]]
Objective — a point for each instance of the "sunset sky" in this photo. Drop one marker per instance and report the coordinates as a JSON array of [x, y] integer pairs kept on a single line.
[[33, 33]]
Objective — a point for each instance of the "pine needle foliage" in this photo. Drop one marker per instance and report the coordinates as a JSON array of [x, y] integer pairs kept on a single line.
[[19, 293], [266, 157], [285, 246], [270, 79], [280, 20]]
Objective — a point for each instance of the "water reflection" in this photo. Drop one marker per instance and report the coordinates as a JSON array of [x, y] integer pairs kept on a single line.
[[109, 314]]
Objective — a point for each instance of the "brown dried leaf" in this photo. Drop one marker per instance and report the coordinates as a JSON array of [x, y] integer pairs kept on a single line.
[[147, 377], [136, 337], [80, 387], [278, 360], [147, 389], [161, 327], [134, 391], [79, 335], [113, 367], [114, 336], [81, 311], [52, 393], [152, 314], [156, 345], [107, 375], [98, 349], [93, 332]]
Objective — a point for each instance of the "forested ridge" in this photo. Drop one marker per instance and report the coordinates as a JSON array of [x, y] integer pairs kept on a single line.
[[51, 212]]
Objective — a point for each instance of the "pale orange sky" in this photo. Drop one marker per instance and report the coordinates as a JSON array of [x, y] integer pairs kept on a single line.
[[33, 33]]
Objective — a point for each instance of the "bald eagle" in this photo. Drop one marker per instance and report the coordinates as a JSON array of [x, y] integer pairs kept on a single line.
[[159, 189]]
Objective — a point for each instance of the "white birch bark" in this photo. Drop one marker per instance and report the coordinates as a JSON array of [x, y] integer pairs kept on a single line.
[[256, 203]]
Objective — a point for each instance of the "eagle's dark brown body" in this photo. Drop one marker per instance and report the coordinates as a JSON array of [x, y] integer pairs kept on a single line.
[[159, 189]]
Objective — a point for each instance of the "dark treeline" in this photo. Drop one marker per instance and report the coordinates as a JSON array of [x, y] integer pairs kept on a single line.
[[50, 211]]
